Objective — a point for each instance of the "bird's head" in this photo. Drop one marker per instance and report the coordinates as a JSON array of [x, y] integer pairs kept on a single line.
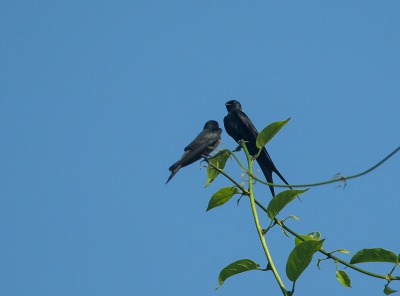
[[233, 105], [211, 124]]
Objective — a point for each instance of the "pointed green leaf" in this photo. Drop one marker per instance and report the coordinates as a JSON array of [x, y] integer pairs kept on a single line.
[[388, 290], [374, 255], [307, 237], [235, 268], [298, 241], [221, 196], [281, 200], [344, 251], [300, 258], [219, 162], [269, 132], [294, 217], [343, 278]]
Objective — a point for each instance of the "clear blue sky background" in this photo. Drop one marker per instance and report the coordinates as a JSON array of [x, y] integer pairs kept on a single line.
[[99, 98]]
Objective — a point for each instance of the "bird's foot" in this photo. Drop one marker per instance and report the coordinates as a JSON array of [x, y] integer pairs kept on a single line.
[[206, 157], [237, 149]]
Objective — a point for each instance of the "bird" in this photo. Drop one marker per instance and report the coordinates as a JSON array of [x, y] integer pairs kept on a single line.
[[201, 146], [239, 126]]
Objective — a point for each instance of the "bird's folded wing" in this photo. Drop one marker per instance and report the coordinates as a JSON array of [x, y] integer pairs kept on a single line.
[[247, 122], [202, 142], [250, 126]]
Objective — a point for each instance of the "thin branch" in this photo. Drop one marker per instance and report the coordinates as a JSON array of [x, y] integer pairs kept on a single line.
[[342, 178], [257, 222], [328, 254]]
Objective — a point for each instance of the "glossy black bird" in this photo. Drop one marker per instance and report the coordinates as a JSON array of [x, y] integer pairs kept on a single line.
[[240, 127], [204, 143]]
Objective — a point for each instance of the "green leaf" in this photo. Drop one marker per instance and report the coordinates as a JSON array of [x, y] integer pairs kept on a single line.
[[300, 258], [298, 241], [269, 132], [388, 290], [307, 237], [344, 251], [235, 268], [294, 217], [281, 200], [221, 196], [343, 278], [374, 255], [219, 162]]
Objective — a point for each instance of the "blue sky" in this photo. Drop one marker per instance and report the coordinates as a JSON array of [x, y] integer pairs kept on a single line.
[[99, 98]]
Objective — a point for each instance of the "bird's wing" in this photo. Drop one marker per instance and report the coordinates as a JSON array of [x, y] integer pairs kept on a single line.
[[203, 141], [247, 122], [252, 129]]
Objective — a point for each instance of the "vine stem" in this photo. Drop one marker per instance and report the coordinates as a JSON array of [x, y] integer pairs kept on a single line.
[[340, 178], [257, 222], [328, 254]]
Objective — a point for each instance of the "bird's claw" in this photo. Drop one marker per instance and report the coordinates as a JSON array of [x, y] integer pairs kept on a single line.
[[237, 149], [206, 157]]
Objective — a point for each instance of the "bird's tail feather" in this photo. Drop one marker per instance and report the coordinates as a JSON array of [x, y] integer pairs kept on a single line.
[[174, 169], [268, 175], [283, 179]]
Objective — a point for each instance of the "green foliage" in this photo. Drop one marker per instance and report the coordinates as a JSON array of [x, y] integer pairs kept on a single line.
[[388, 290], [235, 268], [374, 255], [310, 236], [281, 200], [269, 132], [300, 258], [305, 245], [219, 162], [343, 251], [294, 217], [343, 278], [221, 196]]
